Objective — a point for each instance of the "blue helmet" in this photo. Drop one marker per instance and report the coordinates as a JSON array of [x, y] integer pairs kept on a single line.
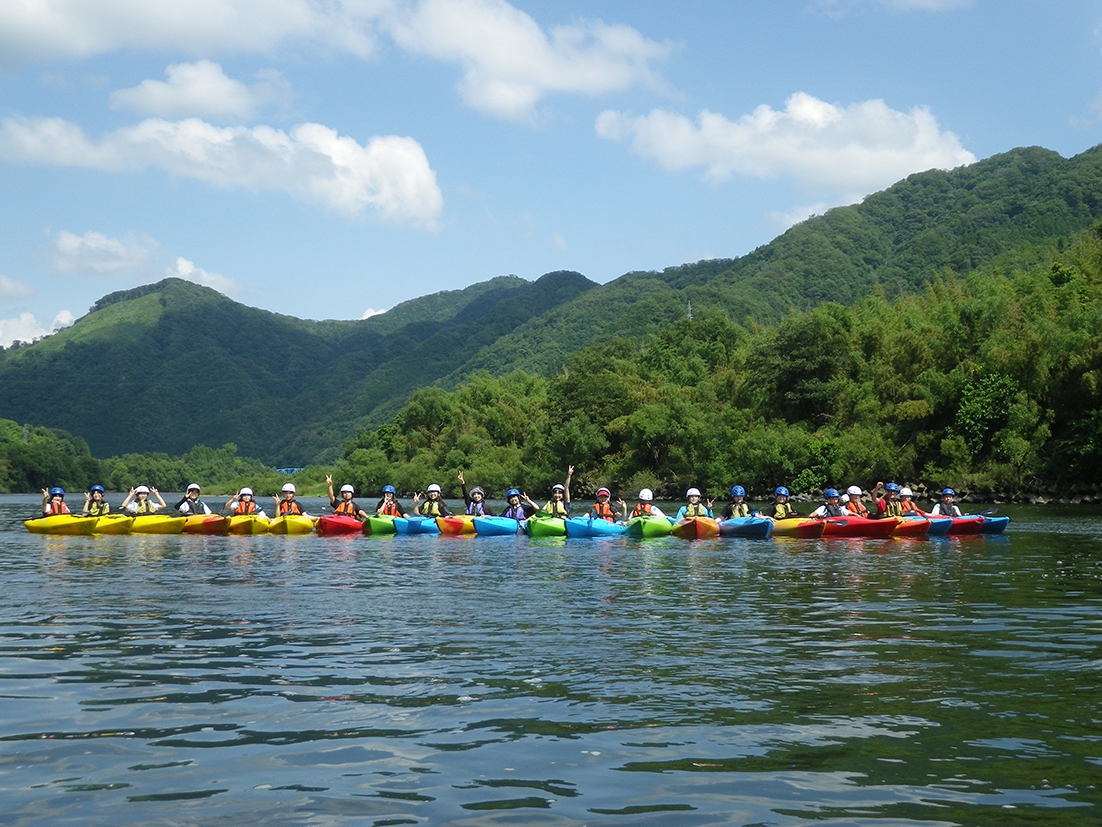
[[389, 489], [780, 491], [831, 492], [738, 491], [97, 489], [891, 486], [57, 492], [948, 492], [512, 492]]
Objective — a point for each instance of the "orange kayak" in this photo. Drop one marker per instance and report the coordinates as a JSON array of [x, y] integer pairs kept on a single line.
[[799, 527], [456, 524], [695, 528], [207, 524]]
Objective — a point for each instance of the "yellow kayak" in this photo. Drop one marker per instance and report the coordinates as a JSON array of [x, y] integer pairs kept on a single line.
[[248, 524], [291, 524], [62, 524], [206, 524], [113, 524], [157, 524]]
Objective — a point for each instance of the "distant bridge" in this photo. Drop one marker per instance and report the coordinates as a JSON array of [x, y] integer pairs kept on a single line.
[[289, 471]]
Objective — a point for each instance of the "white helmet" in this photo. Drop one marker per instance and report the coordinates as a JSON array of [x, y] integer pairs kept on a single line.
[[192, 487], [646, 495], [348, 488], [854, 491], [245, 491], [433, 487], [142, 489], [693, 492], [288, 486], [906, 492]]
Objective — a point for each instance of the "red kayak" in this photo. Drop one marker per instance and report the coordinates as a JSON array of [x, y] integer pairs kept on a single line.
[[912, 528], [332, 524], [971, 524], [860, 526], [695, 528]]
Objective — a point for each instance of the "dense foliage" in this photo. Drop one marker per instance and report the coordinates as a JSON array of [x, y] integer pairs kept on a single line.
[[990, 381]]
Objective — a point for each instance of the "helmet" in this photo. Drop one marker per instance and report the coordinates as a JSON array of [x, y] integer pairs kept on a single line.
[[192, 487], [141, 489], [948, 492], [245, 491], [57, 492], [389, 489], [693, 492], [558, 487], [891, 486], [780, 491], [288, 487], [906, 492], [477, 490], [604, 491], [738, 491], [97, 489], [854, 491], [512, 492], [348, 488], [831, 493], [433, 487], [646, 495]]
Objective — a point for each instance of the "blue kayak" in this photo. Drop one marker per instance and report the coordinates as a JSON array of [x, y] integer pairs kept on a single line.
[[416, 525], [495, 526], [939, 526], [994, 525], [746, 527], [588, 527]]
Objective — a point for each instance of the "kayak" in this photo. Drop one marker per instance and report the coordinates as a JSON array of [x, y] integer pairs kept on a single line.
[[695, 528], [647, 527], [587, 527], [113, 524], [798, 527], [495, 526], [379, 524], [939, 526], [456, 524], [416, 525], [335, 524], [206, 524], [291, 524], [860, 526], [912, 527], [970, 524], [546, 527], [994, 525], [157, 524], [62, 524], [746, 527], [248, 524]]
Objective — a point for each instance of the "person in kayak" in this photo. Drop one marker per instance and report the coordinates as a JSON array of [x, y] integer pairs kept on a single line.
[[475, 501], [191, 505], [854, 504], [888, 505], [945, 507], [907, 504], [646, 507], [433, 506], [832, 507], [94, 503], [517, 510], [780, 508], [243, 503], [603, 510], [696, 507], [137, 502], [389, 506], [288, 506], [559, 504], [737, 507], [346, 506], [53, 502]]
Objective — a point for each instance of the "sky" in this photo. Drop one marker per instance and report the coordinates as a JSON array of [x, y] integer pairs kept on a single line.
[[328, 159]]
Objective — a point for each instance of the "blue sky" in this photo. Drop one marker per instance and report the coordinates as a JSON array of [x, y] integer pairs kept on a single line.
[[331, 159]]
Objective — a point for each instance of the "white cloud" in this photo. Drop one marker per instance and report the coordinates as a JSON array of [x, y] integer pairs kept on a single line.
[[388, 176], [792, 217], [12, 289], [559, 242], [510, 63], [64, 318], [96, 253], [23, 328], [849, 150], [371, 312], [185, 269], [202, 89]]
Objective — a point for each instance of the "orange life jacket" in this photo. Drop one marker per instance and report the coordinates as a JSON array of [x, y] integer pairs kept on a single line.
[[244, 507], [643, 510], [346, 507], [288, 507], [603, 510], [52, 508], [857, 507], [390, 509]]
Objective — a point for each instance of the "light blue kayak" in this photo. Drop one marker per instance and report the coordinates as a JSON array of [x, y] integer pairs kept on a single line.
[[588, 527], [495, 526], [746, 527], [416, 525]]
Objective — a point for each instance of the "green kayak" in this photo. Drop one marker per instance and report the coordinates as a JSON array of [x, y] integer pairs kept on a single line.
[[649, 527], [546, 527], [381, 524]]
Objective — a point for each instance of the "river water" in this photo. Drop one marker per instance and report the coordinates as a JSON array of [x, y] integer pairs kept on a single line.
[[496, 681]]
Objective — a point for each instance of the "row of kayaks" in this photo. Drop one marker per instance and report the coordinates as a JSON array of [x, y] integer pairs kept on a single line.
[[642, 527]]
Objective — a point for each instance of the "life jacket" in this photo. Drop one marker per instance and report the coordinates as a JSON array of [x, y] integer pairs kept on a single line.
[[432, 508], [603, 511], [51, 508], [288, 507], [781, 511], [741, 509], [99, 509], [943, 510], [556, 508], [144, 506], [346, 507], [244, 507], [893, 508], [389, 508], [911, 508], [515, 512], [643, 510], [476, 509], [857, 507], [696, 510], [193, 506], [835, 510]]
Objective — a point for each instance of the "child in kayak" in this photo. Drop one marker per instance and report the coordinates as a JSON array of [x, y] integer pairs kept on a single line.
[[389, 506], [737, 507], [346, 505], [646, 507], [517, 510], [137, 502], [191, 505], [53, 502], [559, 504], [945, 507], [854, 504], [433, 506], [475, 501], [243, 502], [888, 505], [288, 506], [907, 505], [779, 509], [833, 506], [695, 507], [94, 503], [603, 510]]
